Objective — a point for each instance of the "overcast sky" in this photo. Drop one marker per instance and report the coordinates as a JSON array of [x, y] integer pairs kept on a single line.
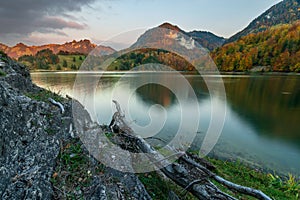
[[36, 22]]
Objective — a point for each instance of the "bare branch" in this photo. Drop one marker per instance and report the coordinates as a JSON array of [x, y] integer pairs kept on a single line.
[[56, 103]]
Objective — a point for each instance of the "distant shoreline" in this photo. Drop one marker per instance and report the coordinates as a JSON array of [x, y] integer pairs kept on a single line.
[[184, 72]]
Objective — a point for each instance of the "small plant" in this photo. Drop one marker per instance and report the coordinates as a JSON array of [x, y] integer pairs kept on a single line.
[[72, 173], [50, 131], [292, 185], [2, 73], [109, 135]]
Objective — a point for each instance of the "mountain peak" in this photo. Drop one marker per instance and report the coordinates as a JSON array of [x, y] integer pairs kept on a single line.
[[167, 25], [20, 44]]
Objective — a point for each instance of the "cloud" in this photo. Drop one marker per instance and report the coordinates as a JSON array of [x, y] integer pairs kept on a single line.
[[24, 17], [58, 23]]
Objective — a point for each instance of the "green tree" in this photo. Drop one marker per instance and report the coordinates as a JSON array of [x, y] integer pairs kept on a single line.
[[73, 67], [58, 67], [48, 56], [65, 64]]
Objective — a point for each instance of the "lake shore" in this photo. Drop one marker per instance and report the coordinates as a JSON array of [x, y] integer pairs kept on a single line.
[[39, 137]]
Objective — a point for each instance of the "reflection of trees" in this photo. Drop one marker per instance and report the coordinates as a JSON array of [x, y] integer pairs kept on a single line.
[[54, 81], [156, 94], [271, 104]]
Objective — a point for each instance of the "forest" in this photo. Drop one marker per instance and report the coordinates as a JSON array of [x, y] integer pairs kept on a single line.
[[277, 48]]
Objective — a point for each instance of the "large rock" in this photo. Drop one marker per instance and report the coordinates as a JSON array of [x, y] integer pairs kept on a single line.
[[32, 138]]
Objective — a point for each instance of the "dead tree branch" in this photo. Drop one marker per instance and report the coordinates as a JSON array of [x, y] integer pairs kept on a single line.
[[58, 104], [183, 173]]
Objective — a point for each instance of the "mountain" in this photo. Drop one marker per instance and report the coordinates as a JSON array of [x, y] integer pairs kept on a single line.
[[275, 49], [78, 47], [285, 12], [205, 39], [165, 45]]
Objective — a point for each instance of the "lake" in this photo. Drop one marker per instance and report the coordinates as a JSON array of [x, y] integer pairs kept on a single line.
[[262, 123]]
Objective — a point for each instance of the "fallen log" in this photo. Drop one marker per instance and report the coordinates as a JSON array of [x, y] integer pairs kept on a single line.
[[186, 172]]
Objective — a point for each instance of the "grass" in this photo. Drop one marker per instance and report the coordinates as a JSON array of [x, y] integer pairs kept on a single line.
[[43, 95], [272, 185], [2, 73], [72, 174], [237, 172]]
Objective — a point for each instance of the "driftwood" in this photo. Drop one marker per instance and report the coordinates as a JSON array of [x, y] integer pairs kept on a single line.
[[58, 104], [191, 175]]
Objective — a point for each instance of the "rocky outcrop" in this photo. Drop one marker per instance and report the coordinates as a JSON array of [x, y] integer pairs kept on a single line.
[[77, 47], [36, 142]]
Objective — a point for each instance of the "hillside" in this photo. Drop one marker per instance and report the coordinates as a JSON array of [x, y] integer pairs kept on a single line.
[[285, 12], [75, 47], [149, 56], [277, 48], [207, 39]]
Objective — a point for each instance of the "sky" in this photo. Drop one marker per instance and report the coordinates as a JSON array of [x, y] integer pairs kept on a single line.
[[36, 22]]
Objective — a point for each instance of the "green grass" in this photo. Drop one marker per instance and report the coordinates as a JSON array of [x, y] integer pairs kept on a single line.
[[2, 73], [72, 171], [272, 185], [43, 95], [237, 172]]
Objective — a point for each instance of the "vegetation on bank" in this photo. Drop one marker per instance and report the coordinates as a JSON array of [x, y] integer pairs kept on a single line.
[[277, 47], [44, 95], [235, 171], [47, 60], [271, 184]]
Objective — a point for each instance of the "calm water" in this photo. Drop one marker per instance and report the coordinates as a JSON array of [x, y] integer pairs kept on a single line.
[[262, 125]]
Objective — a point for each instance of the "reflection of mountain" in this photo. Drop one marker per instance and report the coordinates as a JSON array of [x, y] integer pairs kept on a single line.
[[271, 105], [157, 94]]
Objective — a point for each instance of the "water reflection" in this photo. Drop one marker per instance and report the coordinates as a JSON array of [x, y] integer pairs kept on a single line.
[[271, 104], [262, 122], [148, 94]]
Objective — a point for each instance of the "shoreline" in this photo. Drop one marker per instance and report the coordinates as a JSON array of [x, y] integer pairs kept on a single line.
[[184, 72], [54, 160]]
